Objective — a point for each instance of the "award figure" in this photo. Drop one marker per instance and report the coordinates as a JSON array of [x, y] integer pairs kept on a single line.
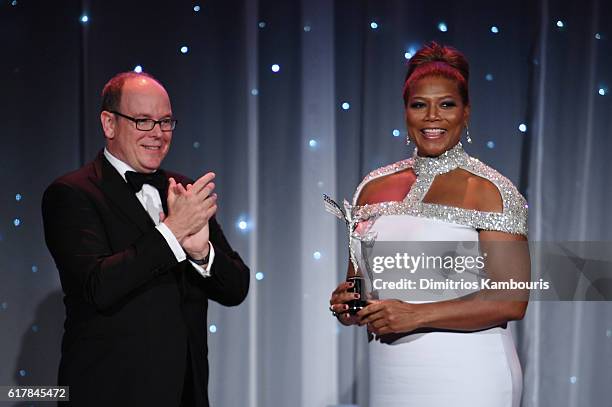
[[357, 278]]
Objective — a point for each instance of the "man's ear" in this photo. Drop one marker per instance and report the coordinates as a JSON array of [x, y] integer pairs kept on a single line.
[[108, 124]]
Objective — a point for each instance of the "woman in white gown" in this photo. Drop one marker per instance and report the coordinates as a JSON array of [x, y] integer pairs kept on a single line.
[[456, 351]]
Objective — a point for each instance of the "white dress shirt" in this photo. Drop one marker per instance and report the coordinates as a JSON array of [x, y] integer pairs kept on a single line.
[[151, 201]]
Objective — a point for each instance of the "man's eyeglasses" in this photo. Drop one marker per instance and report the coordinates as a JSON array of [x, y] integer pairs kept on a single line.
[[149, 124]]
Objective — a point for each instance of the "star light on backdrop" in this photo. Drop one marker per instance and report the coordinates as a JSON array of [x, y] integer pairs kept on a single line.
[[212, 328], [275, 68], [491, 144], [346, 106], [603, 91], [522, 127], [84, 18], [316, 255], [243, 224], [560, 24], [412, 49], [442, 27], [374, 25], [259, 276], [313, 143], [262, 24], [196, 144], [495, 29], [196, 8], [489, 77], [396, 133], [184, 49], [307, 28], [138, 69]]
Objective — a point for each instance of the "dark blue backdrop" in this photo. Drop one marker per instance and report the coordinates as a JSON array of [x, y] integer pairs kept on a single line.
[[541, 115]]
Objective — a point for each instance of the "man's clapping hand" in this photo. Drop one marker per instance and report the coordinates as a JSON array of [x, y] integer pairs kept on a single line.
[[189, 209]]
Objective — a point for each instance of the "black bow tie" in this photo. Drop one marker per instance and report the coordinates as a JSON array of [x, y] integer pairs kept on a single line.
[[136, 180]]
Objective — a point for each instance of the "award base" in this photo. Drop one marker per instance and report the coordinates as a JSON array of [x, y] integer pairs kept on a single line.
[[358, 287]]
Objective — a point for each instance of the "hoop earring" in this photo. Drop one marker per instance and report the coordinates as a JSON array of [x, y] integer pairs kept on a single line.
[[467, 134]]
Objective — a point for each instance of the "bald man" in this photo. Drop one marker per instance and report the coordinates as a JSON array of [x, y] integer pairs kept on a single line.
[[139, 254]]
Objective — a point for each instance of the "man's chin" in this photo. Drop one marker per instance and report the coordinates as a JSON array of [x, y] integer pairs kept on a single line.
[[150, 165], [152, 161]]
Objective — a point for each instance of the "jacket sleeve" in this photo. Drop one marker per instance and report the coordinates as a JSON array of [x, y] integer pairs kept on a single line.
[[228, 283], [77, 239]]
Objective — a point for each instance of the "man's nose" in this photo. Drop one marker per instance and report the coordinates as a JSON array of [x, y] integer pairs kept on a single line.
[[156, 131]]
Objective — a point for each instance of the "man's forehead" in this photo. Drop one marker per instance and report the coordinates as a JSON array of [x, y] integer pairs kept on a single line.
[[141, 92], [142, 84]]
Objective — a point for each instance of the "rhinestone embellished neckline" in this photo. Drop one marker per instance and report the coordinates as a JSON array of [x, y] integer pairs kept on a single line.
[[449, 160], [513, 218]]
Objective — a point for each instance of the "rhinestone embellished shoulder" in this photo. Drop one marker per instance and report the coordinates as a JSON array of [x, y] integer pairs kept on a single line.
[[513, 218]]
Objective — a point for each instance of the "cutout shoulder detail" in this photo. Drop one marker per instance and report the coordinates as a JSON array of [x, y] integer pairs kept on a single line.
[[512, 219], [381, 172]]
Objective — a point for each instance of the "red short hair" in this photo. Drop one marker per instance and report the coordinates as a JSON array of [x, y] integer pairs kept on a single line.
[[438, 60]]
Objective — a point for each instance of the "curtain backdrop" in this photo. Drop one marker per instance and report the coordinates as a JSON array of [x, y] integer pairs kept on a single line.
[[285, 101]]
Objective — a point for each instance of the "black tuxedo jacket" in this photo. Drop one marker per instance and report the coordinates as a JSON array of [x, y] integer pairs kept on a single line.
[[133, 313]]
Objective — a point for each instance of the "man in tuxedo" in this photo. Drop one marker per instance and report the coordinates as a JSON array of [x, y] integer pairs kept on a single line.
[[139, 254]]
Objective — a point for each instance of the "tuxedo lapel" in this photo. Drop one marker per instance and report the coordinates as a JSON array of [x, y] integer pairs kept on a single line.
[[121, 195]]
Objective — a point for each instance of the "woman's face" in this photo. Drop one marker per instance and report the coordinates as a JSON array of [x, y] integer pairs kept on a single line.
[[435, 115]]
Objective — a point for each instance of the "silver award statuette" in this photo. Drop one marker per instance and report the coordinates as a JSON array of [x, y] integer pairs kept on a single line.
[[356, 278]]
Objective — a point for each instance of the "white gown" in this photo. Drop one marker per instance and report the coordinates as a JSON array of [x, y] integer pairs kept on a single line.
[[441, 368]]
